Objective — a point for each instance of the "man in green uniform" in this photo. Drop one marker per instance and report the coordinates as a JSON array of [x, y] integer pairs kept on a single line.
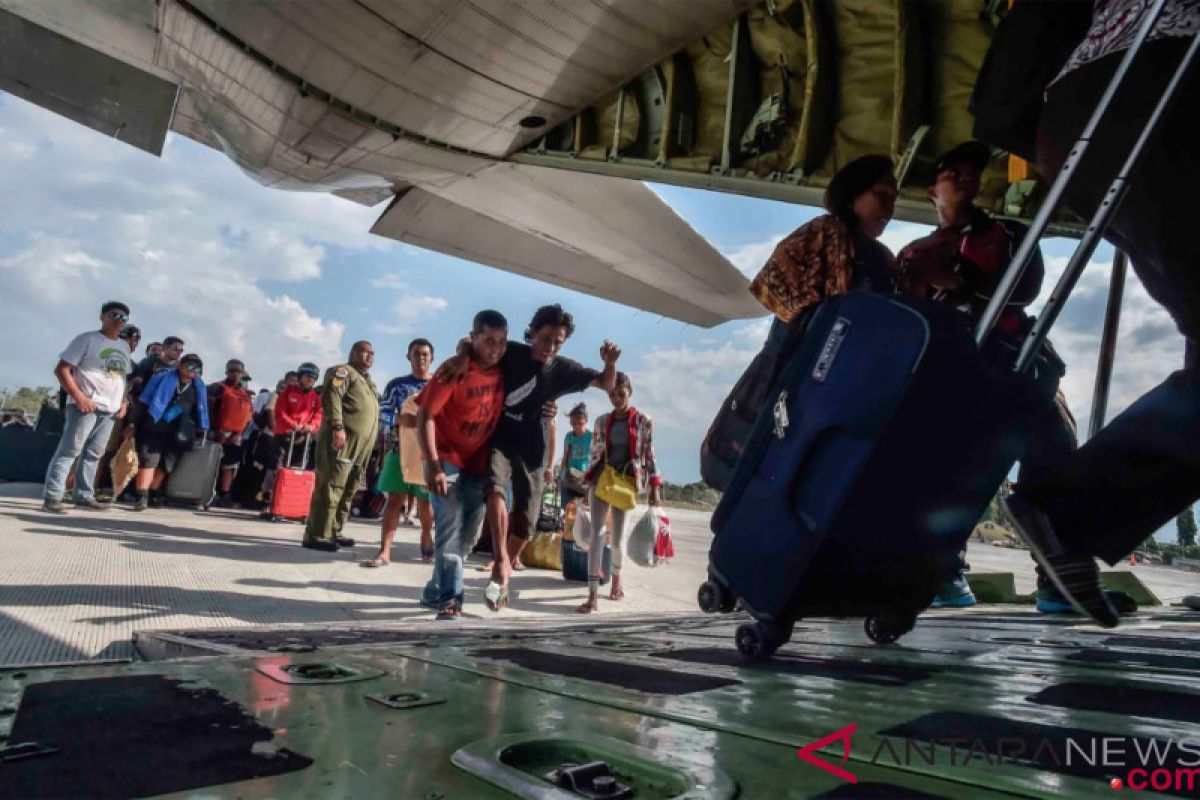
[[350, 406]]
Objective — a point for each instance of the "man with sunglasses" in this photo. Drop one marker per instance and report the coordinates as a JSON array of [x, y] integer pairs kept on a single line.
[[173, 409], [91, 370]]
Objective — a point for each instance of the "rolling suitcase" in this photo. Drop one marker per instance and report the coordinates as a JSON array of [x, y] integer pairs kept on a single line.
[[293, 486], [887, 435], [194, 479]]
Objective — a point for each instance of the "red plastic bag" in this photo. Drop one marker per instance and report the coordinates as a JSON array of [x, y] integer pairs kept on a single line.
[[664, 547]]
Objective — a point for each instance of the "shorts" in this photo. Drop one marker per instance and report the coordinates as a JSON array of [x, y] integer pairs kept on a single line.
[[231, 454], [391, 479], [526, 484], [159, 449]]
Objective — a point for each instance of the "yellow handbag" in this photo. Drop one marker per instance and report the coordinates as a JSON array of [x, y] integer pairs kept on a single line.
[[614, 487], [617, 489]]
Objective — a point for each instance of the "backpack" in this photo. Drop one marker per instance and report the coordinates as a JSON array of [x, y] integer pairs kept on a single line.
[[237, 408]]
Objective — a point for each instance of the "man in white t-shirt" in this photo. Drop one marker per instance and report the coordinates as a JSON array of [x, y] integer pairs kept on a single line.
[[91, 370]]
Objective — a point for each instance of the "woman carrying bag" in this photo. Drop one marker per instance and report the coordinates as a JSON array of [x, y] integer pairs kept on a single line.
[[622, 462]]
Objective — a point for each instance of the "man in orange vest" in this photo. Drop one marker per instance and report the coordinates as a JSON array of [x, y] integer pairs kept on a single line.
[[231, 405]]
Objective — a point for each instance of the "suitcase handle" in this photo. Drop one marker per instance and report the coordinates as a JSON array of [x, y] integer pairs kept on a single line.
[[292, 444], [1091, 238]]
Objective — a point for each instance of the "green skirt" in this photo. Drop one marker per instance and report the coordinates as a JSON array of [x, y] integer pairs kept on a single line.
[[391, 479]]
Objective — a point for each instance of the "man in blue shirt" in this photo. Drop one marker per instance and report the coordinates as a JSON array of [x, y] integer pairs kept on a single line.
[[401, 493]]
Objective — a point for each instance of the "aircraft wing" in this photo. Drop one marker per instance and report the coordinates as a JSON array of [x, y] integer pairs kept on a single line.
[[603, 236]]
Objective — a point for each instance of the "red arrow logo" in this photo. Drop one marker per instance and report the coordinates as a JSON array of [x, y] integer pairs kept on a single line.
[[807, 753]]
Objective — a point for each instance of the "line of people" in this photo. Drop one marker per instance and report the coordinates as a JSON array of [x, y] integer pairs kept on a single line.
[[472, 443]]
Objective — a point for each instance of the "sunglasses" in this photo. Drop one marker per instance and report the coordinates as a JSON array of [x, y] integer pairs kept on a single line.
[[193, 369], [118, 315]]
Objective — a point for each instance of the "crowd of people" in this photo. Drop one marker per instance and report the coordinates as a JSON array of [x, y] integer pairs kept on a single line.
[[465, 449]]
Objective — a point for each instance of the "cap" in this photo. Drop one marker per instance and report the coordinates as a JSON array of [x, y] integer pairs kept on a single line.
[[130, 331], [192, 358], [308, 368], [973, 153], [234, 362]]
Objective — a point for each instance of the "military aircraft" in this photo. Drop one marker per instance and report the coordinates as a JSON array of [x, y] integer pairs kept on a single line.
[[517, 134], [493, 130]]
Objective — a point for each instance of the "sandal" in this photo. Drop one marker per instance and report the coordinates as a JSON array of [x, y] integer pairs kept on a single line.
[[501, 600], [616, 594], [518, 566], [588, 607], [374, 562], [450, 612]]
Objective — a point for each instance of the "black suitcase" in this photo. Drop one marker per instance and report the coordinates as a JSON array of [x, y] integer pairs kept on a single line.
[[194, 479], [887, 435]]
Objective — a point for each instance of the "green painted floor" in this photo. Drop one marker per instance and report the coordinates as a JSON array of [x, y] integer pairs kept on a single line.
[[992, 703]]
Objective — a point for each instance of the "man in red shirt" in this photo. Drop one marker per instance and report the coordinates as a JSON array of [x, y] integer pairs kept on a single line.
[[456, 419]]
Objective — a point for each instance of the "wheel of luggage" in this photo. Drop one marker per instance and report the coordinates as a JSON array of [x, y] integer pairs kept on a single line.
[[887, 628], [759, 639], [714, 598]]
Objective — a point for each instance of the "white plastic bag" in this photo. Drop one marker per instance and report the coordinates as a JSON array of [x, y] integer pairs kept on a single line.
[[640, 544], [583, 526]]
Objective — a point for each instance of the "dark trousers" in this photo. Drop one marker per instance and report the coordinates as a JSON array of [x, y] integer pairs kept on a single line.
[[1144, 467]]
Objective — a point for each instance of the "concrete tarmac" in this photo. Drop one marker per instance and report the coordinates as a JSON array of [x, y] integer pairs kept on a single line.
[[75, 587]]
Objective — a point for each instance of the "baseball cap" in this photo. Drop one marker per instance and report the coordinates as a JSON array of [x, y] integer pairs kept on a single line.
[[308, 368], [972, 153], [129, 331]]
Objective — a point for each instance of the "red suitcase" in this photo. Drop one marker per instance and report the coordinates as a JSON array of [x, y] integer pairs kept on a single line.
[[293, 486]]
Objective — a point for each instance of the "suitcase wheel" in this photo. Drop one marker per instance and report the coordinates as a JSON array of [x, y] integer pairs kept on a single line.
[[887, 628], [756, 640], [714, 598]]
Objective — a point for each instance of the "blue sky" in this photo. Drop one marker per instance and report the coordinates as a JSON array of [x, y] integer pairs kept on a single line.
[[202, 251]]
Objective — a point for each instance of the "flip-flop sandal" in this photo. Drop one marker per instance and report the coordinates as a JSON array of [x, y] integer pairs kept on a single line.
[[617, 595], [501, 601], [587, 608], [518, 567], [374, 562]]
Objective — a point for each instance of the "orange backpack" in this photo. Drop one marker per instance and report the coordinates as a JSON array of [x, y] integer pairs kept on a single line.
[[236, 409]]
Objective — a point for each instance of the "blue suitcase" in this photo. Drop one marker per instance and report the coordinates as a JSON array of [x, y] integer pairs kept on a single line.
[[884, 439]]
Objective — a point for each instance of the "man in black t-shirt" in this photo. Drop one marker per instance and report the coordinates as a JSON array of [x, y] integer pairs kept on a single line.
[[534, 375]]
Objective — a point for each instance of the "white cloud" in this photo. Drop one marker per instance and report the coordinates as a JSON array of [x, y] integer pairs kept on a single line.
[[191, 243], [749, 258], [410, 307]]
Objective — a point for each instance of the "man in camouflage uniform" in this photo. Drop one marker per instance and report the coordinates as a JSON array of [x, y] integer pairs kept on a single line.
[[350, 426]]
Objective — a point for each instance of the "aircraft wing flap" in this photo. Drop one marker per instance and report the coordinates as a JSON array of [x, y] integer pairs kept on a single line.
[[565, 247]]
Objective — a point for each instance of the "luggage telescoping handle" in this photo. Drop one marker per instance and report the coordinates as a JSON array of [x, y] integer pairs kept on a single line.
[[1041, 221], [292, 444], [1095, 229]]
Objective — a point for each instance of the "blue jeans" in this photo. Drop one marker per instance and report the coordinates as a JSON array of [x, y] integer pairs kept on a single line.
[[457, 518], [84, 437]]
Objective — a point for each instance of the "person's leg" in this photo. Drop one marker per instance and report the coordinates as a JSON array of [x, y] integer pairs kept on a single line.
[[496, 519], [448, 542], [388, 528], [526, 507], [599, 511], [76, 427], [331, 477], [359, 457], [618, 547], [425, 515], [93, 448]]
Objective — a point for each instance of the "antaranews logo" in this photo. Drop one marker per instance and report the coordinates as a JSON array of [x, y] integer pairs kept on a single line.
[[806, 753], [1137, 763]]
